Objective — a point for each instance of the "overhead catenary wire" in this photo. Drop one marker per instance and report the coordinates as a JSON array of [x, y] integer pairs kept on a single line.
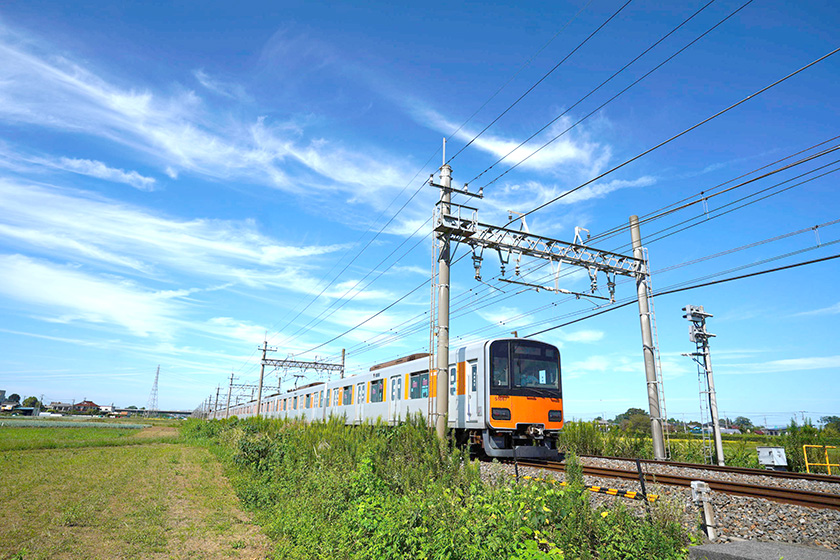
[[627, 162], [615, 74], [541, 80], [660, 144], [687, 288], [660, 215]]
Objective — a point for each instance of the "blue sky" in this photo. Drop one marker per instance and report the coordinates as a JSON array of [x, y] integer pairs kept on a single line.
[[179, 179]]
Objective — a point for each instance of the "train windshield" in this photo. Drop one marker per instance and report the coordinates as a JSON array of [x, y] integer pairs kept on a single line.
[[524, 367]]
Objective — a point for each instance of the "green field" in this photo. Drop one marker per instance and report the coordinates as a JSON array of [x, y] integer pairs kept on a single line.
[[107, 493]]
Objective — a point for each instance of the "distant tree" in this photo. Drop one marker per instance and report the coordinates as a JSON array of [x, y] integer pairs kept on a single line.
[[132, 407], [14, 397], [31, 401], [626, 415], [831, 423], [743, 423], [637, 423]]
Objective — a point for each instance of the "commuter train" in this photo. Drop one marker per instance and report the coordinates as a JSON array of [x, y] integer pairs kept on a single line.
[[505, 397]]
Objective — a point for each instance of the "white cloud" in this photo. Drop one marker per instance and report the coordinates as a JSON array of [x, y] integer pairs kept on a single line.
[[74, 225], [179, 130], [225, 89], [101, 171], [782, 366], [830, 310], [92, 168], [68, 295], [585, 336]]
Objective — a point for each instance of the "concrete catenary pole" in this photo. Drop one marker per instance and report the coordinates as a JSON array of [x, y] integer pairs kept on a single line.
[[343, 354], [216, 405], [262, 372], [442, 385], [647, 345], [713, 409], [230, 389]]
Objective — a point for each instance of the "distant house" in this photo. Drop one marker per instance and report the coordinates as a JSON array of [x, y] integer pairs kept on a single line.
[[106, 408], [61, 406], [86, 406]]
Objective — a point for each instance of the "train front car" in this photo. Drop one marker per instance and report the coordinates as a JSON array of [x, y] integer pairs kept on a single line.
[[525, 401]]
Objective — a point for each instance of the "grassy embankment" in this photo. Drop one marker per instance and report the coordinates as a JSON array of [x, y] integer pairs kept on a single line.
[[586, 438], [117, 493], [328, 491]]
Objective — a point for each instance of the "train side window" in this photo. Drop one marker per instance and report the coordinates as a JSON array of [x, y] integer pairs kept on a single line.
[[418, 385], [360, 393], [453, 376], [294, 403], [377, 390], [474, 381], [347, 397]]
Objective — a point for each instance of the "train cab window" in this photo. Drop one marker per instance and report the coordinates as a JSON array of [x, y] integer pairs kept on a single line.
[[499, 363], [418, 385], [377, 390], [347, 397], [474, 377], [535, 365], [453, 376]]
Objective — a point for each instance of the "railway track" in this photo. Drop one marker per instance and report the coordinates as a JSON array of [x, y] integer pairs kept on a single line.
[[733, 470], [784, 495]]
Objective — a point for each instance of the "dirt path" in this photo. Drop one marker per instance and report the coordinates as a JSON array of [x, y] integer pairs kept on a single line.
[[134, 501]]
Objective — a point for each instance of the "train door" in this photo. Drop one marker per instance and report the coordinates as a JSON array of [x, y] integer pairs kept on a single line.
[[472, 391], [360, 402], [395, 398]]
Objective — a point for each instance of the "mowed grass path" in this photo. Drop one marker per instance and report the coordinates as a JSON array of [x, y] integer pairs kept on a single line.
[[135, 500]]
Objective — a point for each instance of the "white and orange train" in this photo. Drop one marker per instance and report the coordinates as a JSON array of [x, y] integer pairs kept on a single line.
[[505, 397]]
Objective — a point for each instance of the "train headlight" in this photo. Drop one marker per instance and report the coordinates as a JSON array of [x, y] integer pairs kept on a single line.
[[555, 415], [500, 413]]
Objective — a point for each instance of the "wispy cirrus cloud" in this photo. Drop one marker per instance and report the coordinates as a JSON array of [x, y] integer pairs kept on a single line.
[[807, 363], [65, 294], [69, 224], [180, 130], [830, 310], [21, 162]]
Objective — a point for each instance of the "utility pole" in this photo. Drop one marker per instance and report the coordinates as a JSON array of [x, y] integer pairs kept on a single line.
[[648, 348], [265, 349], [216, 406], [343, 354], [442, 385], [697, 334], [230, 388]]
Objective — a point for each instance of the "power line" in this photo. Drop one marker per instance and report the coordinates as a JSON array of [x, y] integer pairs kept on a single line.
[[619, 71], [657, 146], [686, 288], [541, 80]]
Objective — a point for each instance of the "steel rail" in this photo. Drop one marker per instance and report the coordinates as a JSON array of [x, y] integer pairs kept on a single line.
[[734, 470], [784, 495]]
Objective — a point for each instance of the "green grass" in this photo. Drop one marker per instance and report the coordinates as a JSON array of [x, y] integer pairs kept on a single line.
[[325, 490], [144, 500], [586, 438], [60, 438]]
